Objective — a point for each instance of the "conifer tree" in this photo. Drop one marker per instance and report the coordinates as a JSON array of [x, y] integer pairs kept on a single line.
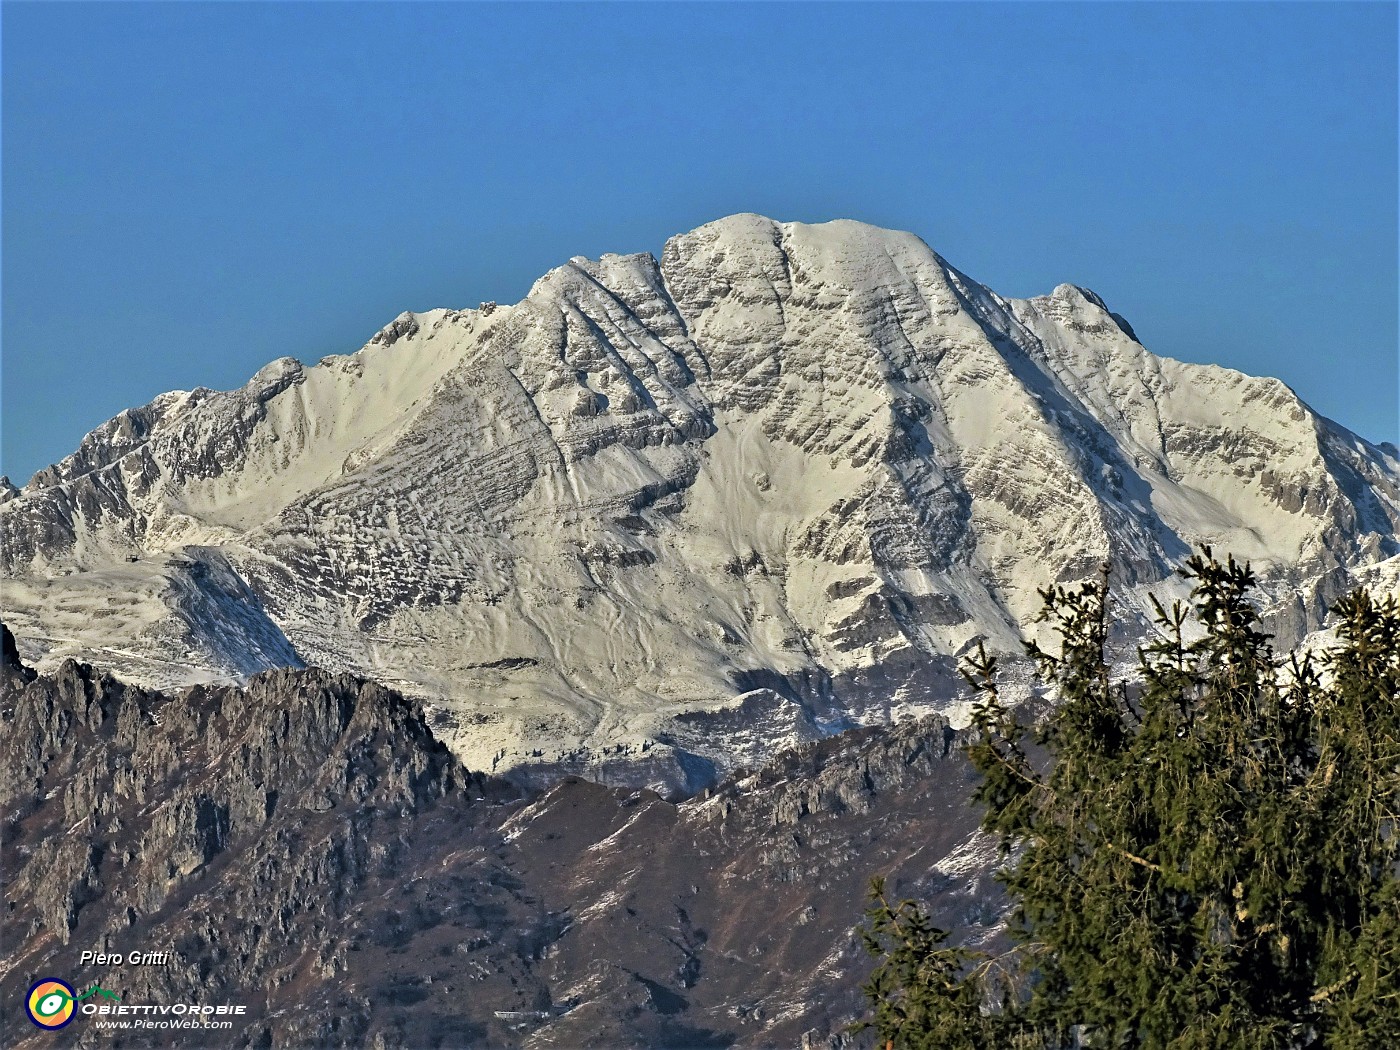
[[1208, 857]]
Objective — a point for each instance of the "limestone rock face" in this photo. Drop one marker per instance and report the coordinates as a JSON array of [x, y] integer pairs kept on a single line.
[[305, 848], [129, 795], [685, 510]]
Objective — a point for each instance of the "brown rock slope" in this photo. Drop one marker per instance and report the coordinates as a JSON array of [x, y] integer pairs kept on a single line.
[[305, 848]]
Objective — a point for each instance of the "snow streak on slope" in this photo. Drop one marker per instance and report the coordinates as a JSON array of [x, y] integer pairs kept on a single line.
[[665, 516]]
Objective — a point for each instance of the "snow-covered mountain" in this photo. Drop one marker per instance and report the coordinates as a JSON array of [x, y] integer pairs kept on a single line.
[[669, 514]]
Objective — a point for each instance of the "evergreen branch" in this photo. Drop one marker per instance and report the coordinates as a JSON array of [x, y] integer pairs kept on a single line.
[[1134, 857], [1332, 989]]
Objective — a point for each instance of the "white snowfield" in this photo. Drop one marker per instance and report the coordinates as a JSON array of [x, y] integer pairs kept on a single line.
[[684, 511]]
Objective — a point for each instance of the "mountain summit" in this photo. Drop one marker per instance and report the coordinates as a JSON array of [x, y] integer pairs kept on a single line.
[[658, 517]]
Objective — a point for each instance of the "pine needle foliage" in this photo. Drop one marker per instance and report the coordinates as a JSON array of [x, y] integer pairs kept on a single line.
[[1208, 860]]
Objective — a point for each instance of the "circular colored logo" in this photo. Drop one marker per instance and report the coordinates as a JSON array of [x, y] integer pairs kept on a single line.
[[51, 1003]]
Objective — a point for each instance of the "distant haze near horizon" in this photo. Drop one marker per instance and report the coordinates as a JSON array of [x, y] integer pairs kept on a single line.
[[191, 191]]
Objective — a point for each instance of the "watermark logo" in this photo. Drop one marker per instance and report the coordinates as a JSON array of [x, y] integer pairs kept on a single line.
[[51, 1003]]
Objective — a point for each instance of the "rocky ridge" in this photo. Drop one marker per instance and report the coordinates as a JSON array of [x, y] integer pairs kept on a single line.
[[306, 848]]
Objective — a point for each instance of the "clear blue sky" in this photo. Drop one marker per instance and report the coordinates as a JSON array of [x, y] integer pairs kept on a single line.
[[191, 190]]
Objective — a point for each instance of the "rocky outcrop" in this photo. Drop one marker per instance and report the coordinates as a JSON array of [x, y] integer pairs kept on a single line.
[[305, 848], [227, 823]]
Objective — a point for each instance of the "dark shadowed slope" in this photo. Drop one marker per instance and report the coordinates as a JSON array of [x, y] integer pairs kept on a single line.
[[306, 848]]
